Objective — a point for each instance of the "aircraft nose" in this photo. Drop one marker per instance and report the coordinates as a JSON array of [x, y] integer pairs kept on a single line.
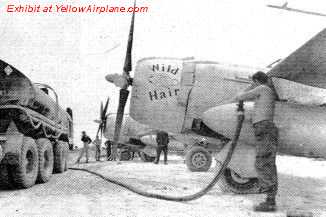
[[223, 119]]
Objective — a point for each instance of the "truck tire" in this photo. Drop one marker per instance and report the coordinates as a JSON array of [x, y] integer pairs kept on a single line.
[[5, 183], [45, 154], [24, 173], [60, 156], [232, 182], [146, 158], [198, 159]]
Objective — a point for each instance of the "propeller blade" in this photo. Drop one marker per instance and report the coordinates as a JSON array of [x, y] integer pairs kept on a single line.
[[101, 111], [123, 97], [128, 60], [104, 124], [99, 128], [103, 114], [124, 93], [102, 129], [102, 118]]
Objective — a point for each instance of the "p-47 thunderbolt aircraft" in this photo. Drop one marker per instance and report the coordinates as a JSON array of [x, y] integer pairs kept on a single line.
[[189, 97]]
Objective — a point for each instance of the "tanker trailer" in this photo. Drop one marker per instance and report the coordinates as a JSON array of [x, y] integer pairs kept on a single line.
[[35, 132]]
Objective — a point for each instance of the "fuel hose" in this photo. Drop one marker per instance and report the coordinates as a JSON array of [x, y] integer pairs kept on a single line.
[[202, 192]]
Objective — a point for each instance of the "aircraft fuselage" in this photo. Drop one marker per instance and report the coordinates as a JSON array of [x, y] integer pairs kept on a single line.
[[204, 89]]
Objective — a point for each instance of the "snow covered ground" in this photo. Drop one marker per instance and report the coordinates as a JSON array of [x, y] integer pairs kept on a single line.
[[302, 190]]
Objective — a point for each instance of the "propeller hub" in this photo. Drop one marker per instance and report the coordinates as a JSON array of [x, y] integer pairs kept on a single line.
[[118, 80]]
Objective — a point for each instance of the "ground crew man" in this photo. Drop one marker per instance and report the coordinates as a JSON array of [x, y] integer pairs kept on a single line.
[[266, 135], [97, 142], [86, 141], [108, 149], [162, 139]]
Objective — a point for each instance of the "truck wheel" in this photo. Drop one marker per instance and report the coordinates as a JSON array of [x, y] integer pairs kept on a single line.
[[232, 182], [45, 153], [60, 156], [24, 173], [146, 158], [198, 159]]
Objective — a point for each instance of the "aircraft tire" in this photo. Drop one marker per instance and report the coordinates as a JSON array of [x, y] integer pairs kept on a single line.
[[125, 156], [24, 175], [60, 157], [146, 158], [231, 182], [45, 153], [198, 159]]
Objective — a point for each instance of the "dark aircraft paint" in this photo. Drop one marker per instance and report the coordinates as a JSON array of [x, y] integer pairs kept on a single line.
[[164, 68], [159, 94]]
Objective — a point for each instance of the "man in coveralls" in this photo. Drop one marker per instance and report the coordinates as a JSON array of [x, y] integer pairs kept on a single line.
[[266, 135], [97, 142], [86, 141], [162, 139]]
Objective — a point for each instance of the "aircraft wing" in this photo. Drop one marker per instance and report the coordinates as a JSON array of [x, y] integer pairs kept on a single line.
[[306, 65]]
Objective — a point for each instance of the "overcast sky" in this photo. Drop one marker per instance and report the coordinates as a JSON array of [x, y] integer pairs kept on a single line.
[[70, 52]]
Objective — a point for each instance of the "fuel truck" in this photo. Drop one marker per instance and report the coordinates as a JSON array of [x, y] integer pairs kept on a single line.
[[35, 132]]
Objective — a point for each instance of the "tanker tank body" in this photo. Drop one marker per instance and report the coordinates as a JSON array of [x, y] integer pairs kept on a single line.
[[35, 132]]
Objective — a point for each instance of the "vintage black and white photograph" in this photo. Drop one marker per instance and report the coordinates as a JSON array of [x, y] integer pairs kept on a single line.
[[161, 108]]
